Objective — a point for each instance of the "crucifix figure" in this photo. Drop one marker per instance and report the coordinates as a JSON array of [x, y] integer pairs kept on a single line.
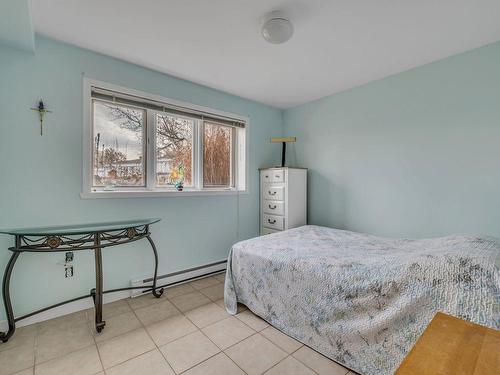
[[41, 111]]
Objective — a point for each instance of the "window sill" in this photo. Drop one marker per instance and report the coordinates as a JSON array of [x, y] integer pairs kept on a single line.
[[158, 193]]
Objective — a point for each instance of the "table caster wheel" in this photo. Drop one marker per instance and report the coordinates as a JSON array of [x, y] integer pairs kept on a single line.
[[100, 326], [158, 293]]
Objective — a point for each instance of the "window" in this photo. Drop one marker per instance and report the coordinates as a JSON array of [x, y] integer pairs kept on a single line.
[[119, 146], [217, 155], [174, 149], [138, 144]]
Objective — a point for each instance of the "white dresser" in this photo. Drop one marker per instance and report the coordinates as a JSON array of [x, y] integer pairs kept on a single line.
[[283, 199]]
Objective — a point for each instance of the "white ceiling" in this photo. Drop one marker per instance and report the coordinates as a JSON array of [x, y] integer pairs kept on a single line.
[[337, 45]]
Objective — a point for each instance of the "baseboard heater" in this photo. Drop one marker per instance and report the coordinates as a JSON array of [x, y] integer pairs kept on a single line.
[[180, 277]]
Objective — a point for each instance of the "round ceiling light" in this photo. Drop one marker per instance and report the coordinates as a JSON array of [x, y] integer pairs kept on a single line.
[[277, 28]]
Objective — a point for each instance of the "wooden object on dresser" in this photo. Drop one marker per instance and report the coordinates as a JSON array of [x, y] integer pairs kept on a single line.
[[283, 199], [452, 346]]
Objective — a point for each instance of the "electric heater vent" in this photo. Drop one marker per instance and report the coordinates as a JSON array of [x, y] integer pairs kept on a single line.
[[180, 277]]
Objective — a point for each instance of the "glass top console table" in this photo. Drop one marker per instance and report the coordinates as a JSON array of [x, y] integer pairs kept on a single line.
[[93, 237]]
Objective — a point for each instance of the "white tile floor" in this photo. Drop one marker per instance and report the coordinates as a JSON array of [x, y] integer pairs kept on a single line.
[[187, 331]]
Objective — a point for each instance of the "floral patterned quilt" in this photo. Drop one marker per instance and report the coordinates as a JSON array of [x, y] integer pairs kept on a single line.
[[362, 300]]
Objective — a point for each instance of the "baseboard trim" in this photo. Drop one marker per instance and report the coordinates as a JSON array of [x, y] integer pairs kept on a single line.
[[165, 281], [181, 277]]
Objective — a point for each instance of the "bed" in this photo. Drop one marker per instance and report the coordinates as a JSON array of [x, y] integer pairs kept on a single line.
[[362, 300]]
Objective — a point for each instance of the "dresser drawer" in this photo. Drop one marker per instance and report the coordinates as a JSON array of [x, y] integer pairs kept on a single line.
[[273, 207], [266, 176], [278, 175], [273, 222], [265, 231], [275, 193]]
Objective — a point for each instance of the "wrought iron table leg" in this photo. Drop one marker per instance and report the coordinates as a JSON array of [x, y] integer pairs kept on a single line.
[[4, 336], [97, 292], [157, 293]]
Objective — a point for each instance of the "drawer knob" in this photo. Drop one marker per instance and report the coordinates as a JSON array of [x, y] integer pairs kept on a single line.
[[271, 192], [272, 207], [271, 221]]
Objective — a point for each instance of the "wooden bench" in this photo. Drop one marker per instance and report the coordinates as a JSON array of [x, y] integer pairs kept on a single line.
[[453, 346]]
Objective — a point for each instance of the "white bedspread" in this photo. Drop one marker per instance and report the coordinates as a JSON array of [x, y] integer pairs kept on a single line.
[[362, 300]]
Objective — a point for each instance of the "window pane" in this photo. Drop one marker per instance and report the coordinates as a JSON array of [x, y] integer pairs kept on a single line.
[[118, 153], [217, 142], [174, 150]]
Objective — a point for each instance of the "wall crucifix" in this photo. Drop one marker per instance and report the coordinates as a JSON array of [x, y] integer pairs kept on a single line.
[[41, 112]]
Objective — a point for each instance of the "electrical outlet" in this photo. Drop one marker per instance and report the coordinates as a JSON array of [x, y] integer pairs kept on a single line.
[[69, 256], [68, 271]]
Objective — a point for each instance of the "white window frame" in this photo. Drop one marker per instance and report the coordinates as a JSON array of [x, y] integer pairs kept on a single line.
[[240, 156]]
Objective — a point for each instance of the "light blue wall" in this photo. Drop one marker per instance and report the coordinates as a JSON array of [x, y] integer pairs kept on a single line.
[[415, 155], [40, 177], [16, 25]]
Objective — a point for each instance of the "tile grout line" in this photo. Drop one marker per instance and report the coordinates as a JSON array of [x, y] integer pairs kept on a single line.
[[291, 354], [223, 350], [149, 335], [235, 362], [133, 357], [255, 332], [62, 355], [288, 356], [122, 334], [259, 333], [35, 346], [276, 364], [305, 364], [203, 333], [180, 313], [197, 328], [114, 337], [230, 346], [89, 324], [272, 343], [295, 351], [264, 337], [248, 324]]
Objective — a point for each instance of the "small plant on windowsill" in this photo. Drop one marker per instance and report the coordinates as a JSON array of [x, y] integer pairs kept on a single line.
[[177, 177]]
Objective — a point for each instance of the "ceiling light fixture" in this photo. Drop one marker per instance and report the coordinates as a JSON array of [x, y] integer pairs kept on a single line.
[[277, 28]]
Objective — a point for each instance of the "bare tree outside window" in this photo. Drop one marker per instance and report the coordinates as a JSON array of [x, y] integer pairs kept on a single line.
[[118, 152], [217, 146], [174, 149]]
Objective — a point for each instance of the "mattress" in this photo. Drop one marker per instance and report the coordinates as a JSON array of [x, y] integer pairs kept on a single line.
[[363, 300]]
